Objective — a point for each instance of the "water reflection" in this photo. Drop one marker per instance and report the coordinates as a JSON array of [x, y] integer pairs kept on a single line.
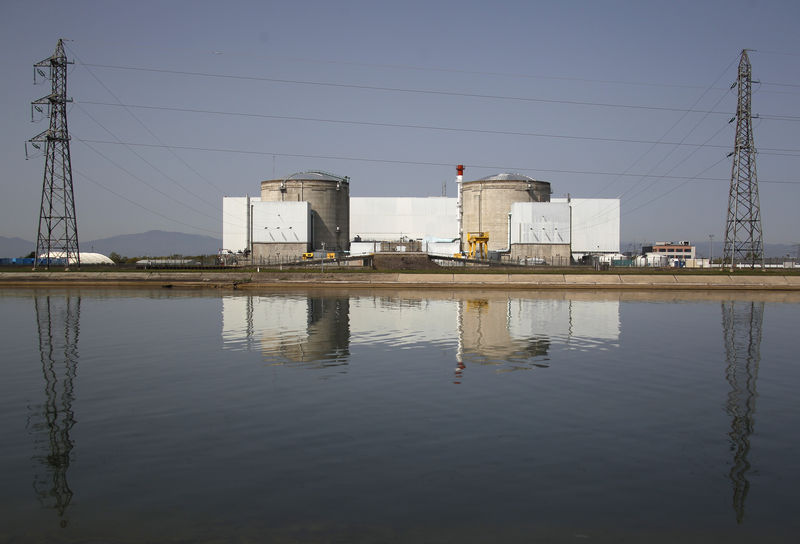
[[741, 325], [58, 323], [486, 335], [518, 333], [289, 329], [496, 329]]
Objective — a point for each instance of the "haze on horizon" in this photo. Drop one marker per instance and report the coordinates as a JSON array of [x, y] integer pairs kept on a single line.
[[178, 104]]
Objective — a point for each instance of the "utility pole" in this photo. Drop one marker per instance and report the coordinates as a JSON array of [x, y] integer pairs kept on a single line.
[[743, 237], [58, 228], [710, 250]]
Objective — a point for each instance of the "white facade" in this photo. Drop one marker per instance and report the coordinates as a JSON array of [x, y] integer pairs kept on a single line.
[[540, 223], [234, 222], [588, 225], [595, 224], [392, 218], [272, 222], [281, 222]]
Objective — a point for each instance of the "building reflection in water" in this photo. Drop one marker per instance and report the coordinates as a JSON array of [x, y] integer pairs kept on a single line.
[[512, 333], [58, 323], [518, 333], [289, 328], [741, 325]]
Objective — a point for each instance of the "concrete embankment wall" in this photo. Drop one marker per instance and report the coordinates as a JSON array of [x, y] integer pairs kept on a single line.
[[255, 280]]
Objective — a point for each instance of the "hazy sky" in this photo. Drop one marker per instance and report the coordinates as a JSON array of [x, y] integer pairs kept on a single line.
[[177, 104]]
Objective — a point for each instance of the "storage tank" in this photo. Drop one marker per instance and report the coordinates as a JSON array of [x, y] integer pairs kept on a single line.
[[328, 196], [487, 202]]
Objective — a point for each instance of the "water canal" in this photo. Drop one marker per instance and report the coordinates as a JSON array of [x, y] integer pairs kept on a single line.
[[362, 416]]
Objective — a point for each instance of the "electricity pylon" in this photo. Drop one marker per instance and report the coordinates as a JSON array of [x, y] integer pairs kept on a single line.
[[743, 238], [58, 228]]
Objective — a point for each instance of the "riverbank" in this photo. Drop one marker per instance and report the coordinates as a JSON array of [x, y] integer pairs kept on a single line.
[[264, 280]]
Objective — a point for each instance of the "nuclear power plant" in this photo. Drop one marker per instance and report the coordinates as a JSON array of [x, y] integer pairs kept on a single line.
[[507, 217]]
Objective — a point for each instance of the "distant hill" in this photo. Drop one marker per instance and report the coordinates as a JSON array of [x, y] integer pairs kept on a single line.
[[15, 247], [154, 243]]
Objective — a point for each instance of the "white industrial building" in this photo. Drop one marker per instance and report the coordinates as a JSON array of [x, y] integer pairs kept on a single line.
[[576, 226], [516, 212], [282, 227]]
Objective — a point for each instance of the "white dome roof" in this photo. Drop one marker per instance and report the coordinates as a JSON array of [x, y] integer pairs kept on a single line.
[[86, 258]]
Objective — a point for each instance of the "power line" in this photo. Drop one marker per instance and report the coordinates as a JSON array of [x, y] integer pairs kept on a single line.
[[776, 117], [672, 189], [695, 150], [114, 96], [148, 163], [397, 125], [765, 150], [675, 124], [474, 72], [403, 90], [87, 143], [780, 84], [123, 197], [413, 163]]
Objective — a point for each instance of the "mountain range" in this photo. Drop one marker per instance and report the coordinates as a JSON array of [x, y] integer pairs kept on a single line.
[[153, 243]]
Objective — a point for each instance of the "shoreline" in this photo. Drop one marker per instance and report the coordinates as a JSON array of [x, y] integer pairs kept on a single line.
[[399, 280]]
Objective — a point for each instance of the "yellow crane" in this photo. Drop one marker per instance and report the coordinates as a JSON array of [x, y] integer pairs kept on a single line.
[[478, 242]]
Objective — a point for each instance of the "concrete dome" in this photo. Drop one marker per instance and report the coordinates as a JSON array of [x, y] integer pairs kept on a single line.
[[509, 176]]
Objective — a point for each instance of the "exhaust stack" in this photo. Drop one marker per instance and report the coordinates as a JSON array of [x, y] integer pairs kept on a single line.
[[459, 179]]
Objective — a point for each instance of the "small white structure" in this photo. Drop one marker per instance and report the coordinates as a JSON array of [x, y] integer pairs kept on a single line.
[[651, 259], [86, 258], [441, 247]]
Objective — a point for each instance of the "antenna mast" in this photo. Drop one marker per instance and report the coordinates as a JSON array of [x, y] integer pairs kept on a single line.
[[58, 228], [743, 238]]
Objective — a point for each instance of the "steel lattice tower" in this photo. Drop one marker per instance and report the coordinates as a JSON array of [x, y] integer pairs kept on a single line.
[[58, 228], [743, 239]]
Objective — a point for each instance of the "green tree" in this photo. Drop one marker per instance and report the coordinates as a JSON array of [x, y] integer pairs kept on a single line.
[[116, 257]]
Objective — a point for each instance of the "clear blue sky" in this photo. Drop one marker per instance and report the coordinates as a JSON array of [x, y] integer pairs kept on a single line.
[[666, 56]]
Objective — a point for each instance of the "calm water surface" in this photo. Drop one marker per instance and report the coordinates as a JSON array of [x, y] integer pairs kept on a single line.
[[364, 416]]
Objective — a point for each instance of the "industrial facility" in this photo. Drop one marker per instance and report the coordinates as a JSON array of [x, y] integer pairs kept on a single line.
[[505, 217]]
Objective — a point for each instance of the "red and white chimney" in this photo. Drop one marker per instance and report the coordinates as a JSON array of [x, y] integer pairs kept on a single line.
[[459, 180]]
